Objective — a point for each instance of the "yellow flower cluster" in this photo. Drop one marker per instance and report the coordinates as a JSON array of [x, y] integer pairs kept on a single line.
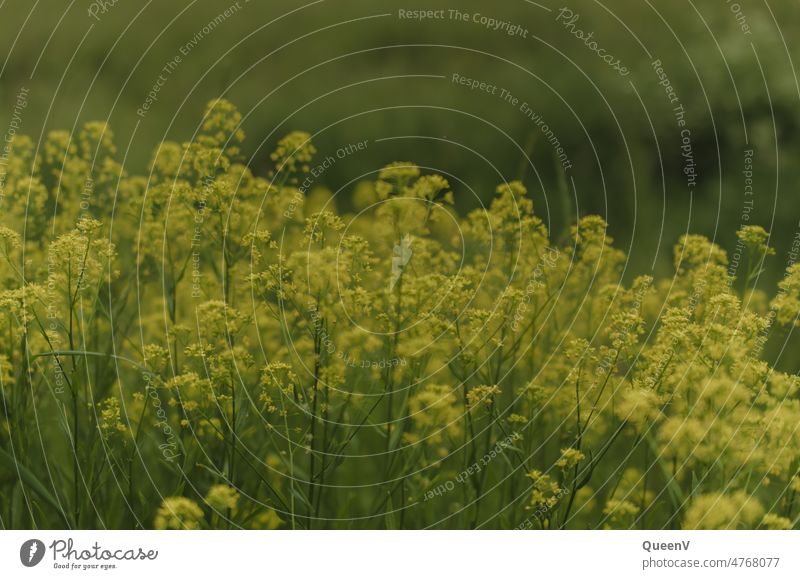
[[243, 335], [178, 513]]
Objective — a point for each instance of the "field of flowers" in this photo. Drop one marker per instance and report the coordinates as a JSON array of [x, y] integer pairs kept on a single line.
[[202, 347]]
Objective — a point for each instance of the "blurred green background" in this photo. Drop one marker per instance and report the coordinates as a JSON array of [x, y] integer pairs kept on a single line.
[[349, 71]]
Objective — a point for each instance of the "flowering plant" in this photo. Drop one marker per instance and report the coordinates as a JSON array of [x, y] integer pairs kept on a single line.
[[209, 348]]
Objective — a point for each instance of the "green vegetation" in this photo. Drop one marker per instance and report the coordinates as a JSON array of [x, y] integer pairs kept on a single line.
[[205, 347]]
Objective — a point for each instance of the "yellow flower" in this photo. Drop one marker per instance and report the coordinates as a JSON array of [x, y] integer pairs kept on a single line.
[[729, 510], [482, 395], [776, 522], [399, 171], [786, 304], [6, 376], [110, 421], [221, 127], [435, 411], [639, 406], [620, 514], [570, 457], [266, 520], [222, 498], [517, 419], [9, 240], [755, 239], [294, 152], [178, 513]]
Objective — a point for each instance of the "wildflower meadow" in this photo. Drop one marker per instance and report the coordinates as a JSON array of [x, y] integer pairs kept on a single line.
[[205, 345]]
